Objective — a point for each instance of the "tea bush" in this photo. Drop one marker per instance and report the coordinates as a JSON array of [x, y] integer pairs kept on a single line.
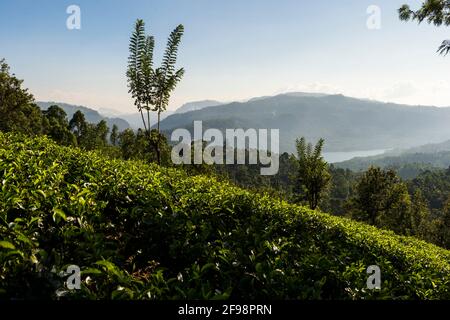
[[139, 231]]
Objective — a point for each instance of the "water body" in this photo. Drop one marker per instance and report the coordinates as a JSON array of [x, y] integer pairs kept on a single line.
[[332, 157]]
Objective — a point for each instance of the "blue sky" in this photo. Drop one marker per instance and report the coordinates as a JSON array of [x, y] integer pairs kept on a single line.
[[232, 50]]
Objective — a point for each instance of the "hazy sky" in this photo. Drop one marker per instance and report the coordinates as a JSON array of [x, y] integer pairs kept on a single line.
[[232, 49]]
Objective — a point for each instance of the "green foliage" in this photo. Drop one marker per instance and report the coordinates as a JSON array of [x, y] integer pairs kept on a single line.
[[342, 188], [78, 125], [134, 72], [151, 88], [140, 231], [420, 214], [91, 116], [436, 12], [313, 176], [166, 78], [442, 226], [88, 135], [420, 217], [138, 146], [408, 165], [126, 142], [382, 200], [433, 11], [147, 73], [435, 187], [18, 111], [114, 136], [102, 131], [57, 126]]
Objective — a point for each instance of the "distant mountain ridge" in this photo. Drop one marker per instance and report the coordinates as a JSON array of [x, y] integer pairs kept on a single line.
[[91, 115], [346, 124], [135, 118], [197, 105]]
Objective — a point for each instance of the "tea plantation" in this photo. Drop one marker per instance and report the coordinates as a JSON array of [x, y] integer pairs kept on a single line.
[[139, 231]]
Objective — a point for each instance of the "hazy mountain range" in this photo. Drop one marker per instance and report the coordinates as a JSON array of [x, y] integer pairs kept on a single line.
[[127, 120], [135, 118], [197, 105], [347, 124]]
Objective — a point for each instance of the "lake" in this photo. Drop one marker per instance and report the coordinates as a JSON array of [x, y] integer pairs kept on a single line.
[[332, 157]]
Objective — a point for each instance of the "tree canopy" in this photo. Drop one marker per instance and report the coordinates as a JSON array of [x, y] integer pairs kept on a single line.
[[435, 12], [313, 176], [18, 112]]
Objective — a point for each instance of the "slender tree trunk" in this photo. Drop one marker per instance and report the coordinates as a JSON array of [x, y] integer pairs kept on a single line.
[[143, 120], [149, 133], [158, 150], [159, 117], [148, 120]]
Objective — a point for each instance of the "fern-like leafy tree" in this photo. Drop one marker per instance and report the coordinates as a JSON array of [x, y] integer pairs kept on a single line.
[[135, 69], [151, 88], [166, 78], [114, 136], [313, 177], [436, 12]]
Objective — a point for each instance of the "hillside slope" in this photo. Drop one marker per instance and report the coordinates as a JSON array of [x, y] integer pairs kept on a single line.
[[138, 231], [346, 124]]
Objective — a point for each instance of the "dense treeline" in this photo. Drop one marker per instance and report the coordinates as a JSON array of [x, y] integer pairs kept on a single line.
[[19, 113], [407, 165]]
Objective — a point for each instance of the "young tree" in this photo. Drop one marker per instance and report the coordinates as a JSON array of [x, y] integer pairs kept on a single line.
[[312, 177], [151, 89], [166, 78], [138, 71], [147, 74], [127, 143], [382, 199], [114, 135], [102, 131], [78, 125], [433, 11], [94, 136]]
